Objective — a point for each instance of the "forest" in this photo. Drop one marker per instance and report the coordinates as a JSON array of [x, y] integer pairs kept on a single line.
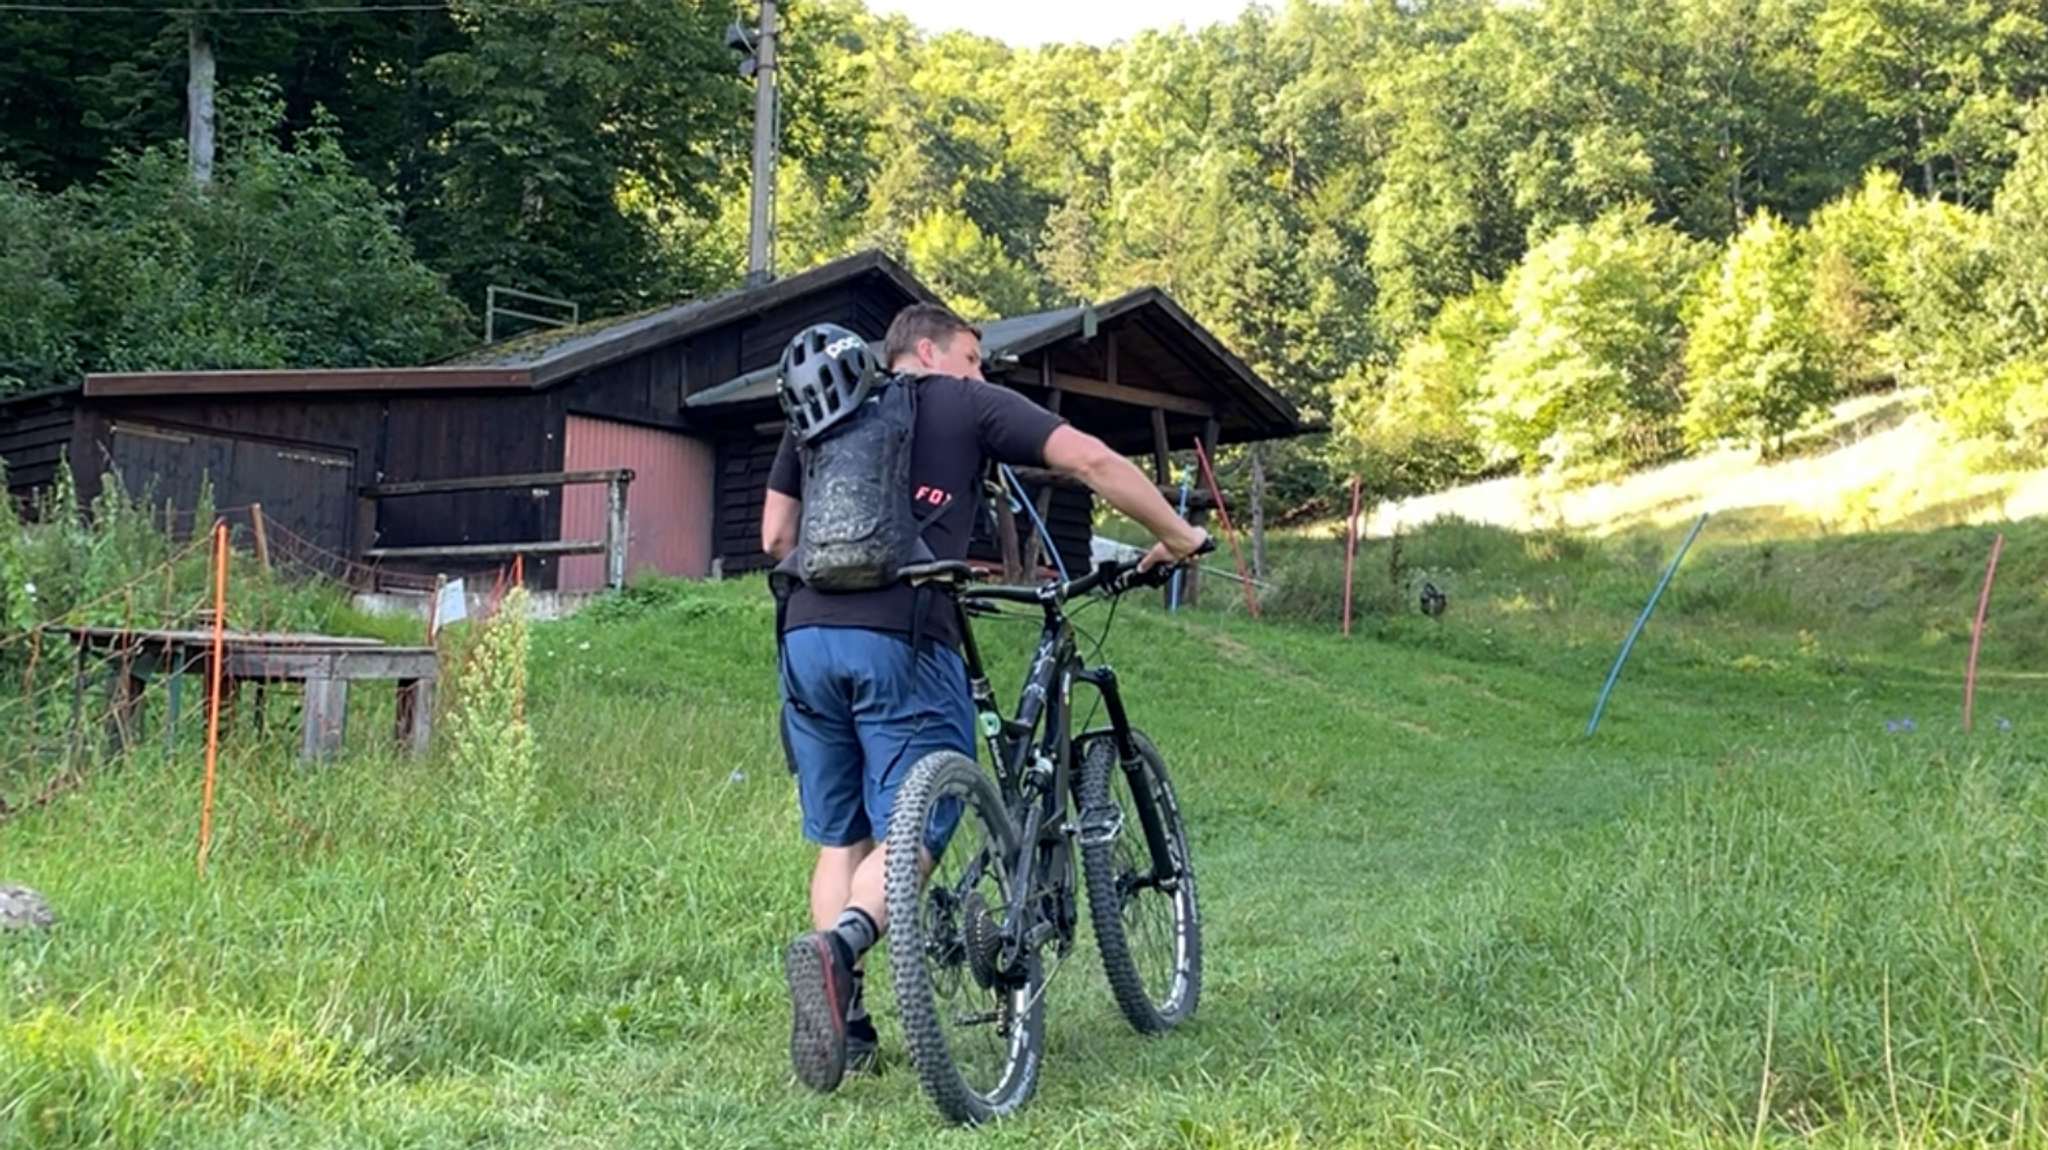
[[1469, 236]]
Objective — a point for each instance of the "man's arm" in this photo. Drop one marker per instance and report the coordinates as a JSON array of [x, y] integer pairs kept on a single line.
[[1124, 487], [783, 509], [779, 516]]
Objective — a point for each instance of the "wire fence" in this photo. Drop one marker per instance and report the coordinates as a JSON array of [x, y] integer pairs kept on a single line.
[[100, 651]]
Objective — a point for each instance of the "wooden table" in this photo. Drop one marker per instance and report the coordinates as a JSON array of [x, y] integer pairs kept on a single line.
[[324, 665]]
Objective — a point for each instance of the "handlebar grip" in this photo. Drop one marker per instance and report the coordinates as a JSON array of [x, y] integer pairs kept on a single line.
[[1159, 575]]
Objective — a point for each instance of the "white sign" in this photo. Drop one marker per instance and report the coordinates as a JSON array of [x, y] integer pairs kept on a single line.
[[450, 604]]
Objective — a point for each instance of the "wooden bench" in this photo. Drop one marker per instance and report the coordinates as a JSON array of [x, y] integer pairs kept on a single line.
[[323, 665]]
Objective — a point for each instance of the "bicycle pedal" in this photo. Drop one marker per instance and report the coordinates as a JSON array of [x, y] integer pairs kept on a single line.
[[1101, 825]]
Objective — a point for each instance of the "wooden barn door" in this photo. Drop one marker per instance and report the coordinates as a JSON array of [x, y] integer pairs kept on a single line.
[[304, 490], [668, 504]]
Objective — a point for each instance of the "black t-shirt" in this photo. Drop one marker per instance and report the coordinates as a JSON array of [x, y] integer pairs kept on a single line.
[[961, 425]]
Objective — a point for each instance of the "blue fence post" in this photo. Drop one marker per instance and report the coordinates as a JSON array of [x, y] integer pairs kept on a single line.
[[1173, 584], [1600, 704]]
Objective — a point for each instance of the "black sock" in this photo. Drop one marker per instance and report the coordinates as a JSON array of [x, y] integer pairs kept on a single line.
[[856, 929]]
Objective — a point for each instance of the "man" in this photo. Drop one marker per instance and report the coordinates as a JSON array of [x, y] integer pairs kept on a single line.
[[861, 706]]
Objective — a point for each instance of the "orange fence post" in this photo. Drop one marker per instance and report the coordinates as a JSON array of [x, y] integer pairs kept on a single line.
[[1977, 632], [1251, 600], [220, 612]]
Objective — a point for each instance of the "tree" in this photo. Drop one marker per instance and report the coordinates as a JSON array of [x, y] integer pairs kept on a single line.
[[290, 259], [1928, 82], [1411, 427], [559, 111], [1755, 365], [1588, 372], [2006, 397], [1443, 214], [38, 347], [968, 268]]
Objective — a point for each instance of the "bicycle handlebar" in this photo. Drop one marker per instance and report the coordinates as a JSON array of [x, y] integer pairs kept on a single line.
[[1114, 575]]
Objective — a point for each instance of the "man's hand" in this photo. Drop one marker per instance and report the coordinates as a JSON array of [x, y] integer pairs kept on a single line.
[[1184, 545]]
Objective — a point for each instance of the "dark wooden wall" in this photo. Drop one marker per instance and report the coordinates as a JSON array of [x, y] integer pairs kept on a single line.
[[743, 465], [35, 434], [280, 451]]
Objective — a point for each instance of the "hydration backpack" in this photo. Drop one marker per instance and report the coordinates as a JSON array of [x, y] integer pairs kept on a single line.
[[854, 432]]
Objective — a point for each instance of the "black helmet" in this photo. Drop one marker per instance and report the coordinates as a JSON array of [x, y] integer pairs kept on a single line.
[[826, 373]]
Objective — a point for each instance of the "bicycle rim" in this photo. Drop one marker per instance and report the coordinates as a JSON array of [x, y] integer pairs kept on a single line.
[[973, 1018], [1147, 924]]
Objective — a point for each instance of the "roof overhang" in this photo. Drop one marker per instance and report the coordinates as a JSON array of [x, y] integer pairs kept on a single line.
[[1220, 389]]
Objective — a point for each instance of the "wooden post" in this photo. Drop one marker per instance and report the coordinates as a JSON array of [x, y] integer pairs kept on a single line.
[[1192, 586], [415, 717], [365, 536], [1006, 537], [325, 719], [615, 535], [1162, 463], [1258, 512], [262, 535]]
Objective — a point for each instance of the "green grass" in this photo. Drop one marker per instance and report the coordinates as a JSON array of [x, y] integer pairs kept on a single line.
[[1744, 914]]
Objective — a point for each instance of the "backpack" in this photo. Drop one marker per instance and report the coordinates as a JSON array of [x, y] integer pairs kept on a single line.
[[858, 527]]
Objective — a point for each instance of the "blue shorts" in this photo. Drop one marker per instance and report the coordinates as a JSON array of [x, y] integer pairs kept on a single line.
[[858, 712]]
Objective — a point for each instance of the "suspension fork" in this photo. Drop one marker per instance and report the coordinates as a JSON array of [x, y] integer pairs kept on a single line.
[[1103, 679]]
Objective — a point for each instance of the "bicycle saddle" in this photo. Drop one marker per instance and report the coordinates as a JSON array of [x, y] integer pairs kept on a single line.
[[953, 571]]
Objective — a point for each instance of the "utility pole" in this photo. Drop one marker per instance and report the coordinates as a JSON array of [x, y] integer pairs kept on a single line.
[[199, 103], [761, 222]]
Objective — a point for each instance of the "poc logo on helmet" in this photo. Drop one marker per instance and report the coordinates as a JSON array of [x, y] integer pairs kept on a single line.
[[837, 346]]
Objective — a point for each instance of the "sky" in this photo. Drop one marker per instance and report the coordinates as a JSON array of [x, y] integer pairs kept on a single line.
[[1029, 23]]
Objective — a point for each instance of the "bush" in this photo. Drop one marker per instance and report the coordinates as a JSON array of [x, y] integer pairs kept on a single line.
[[288, 259]]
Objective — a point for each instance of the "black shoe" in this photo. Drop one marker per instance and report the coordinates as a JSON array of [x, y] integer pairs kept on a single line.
[[863, 1045], [820, 973]]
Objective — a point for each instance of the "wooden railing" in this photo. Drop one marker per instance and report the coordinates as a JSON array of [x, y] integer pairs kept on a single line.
[[612, 546]]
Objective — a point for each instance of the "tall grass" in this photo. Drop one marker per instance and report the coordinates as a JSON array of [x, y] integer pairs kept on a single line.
[[1747, 913]]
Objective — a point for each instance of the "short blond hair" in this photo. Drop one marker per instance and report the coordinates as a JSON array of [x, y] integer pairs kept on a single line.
[[931, 321]]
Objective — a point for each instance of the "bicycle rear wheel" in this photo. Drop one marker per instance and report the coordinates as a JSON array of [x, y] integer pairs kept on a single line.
[[1147, 926], [973, 1019]]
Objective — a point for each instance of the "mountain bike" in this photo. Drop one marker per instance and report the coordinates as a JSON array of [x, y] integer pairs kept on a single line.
[[981, 882]]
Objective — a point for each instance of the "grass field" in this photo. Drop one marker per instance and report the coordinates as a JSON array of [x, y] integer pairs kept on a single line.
[[1752, 910]]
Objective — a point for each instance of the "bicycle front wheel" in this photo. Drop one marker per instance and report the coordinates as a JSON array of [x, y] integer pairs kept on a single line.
[[972, 1008], [1141, 887]]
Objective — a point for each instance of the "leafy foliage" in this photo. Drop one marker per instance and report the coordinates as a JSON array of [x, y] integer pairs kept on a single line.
[[1316, 182], [38, 343], [1755, 364], [1588, 370], [288, 259]]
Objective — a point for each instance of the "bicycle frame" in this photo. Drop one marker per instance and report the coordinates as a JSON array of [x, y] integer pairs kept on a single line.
[[1036, 776]]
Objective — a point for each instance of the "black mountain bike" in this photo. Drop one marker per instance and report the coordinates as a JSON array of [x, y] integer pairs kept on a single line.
[[981, 880]]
